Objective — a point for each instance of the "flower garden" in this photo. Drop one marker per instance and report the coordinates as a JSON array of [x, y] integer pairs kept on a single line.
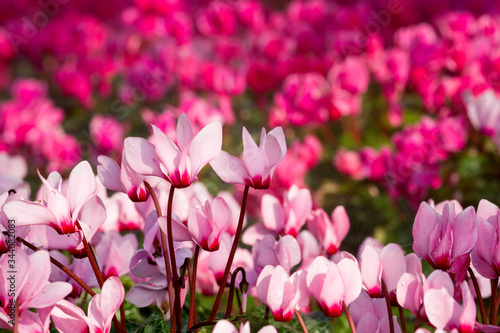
[[249, 166]]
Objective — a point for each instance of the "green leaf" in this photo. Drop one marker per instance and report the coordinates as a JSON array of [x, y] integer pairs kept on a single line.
[[154, 324]]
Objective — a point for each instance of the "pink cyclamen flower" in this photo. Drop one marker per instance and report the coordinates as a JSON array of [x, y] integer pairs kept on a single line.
[[68, 317], [207, 222], [61, 207], [333, 284], [32, 289], [445, 240], [484, 112], [370, 315], [279, 291], [107, 133], [180, 162], [329, 232], [284, 252], [224, 326], [486, 253], [122, 179], [257, 163]]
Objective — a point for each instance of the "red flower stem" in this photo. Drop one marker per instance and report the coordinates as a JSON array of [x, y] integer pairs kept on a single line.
[[349, 318], [61, 267], [479, 298], [192, 287], [402, 319], [165, 257], [493, 307], [16, 316], [237, 237], [96, 269], [171, 251], [301, 321], [231, 290], [200, 325], [389, 309]]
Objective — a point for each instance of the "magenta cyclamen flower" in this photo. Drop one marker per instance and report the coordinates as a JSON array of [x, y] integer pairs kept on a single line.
[[207, 222], [257, 163], [331, 284], [178, 162], [445, 241]]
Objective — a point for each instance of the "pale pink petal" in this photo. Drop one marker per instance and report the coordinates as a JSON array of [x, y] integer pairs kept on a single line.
[[28, 213], [276, 294], [340, 221], [109, 174], [256, 232], [224, 326], [468, 317], [288, 252], [426, 221], [279, 135], [141, 156], [352, 279], [36, 277], [440, 307], [368, 323], [482, 254], [371, 270], [184, 131], [487, 211], [81, 185], [205, 146], [179, 231], [394, 265], [93, 214], [229, 168], [49, 295], [103, 306], [316, 275], [464, 232], [221, 214], [408, 292], [68, 317], [273, 214], [263, 283], [166, 150]]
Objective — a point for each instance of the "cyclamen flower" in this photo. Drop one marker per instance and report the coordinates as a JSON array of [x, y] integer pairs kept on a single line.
[[257, 163], [68, 317], [180, 162], [224, 326], [445, 240], [207, 222], [329, 232], [333, 284], [61, 208]]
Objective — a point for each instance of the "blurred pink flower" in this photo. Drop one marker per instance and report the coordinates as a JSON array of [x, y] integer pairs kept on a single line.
[[107, 133]]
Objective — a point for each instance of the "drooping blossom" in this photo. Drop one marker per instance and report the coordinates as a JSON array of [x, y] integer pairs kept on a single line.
[[257, 163], [370, 314], [330, 232], [284, 252], [224, 326]]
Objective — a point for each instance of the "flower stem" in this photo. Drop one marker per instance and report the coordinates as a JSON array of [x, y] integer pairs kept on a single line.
[[493, 307], [199, 325], [192, 287], [482, 310], [402, 319], [61, 267], [168, 271], [171, 251], [349, 318], [96, 269], [231, 290], [301, 321], [389, 309], [236, 240]]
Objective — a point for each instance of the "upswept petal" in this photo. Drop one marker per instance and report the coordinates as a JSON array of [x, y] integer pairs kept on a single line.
[[340, 221], [482, 254], [371, 270], [351, 276], [276, 294], [440, 307], [92, 214], [332, 291], [273, 153], [81, 185], [273, 214], [166, 150], [464, 232], [288, 250], [206, 146], [263, 283], [28, 213], [37, 276], [68, 317], [468, 317], [426, 221], [109, 174], [279, 135], [408, 292], [179, 231], [184, 131], [255, 163], [103, 306], [224, 326], [394, 263], [49, 295], [221, 214], [229, 168], [487, 211], [141, 156], [316, 275]]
